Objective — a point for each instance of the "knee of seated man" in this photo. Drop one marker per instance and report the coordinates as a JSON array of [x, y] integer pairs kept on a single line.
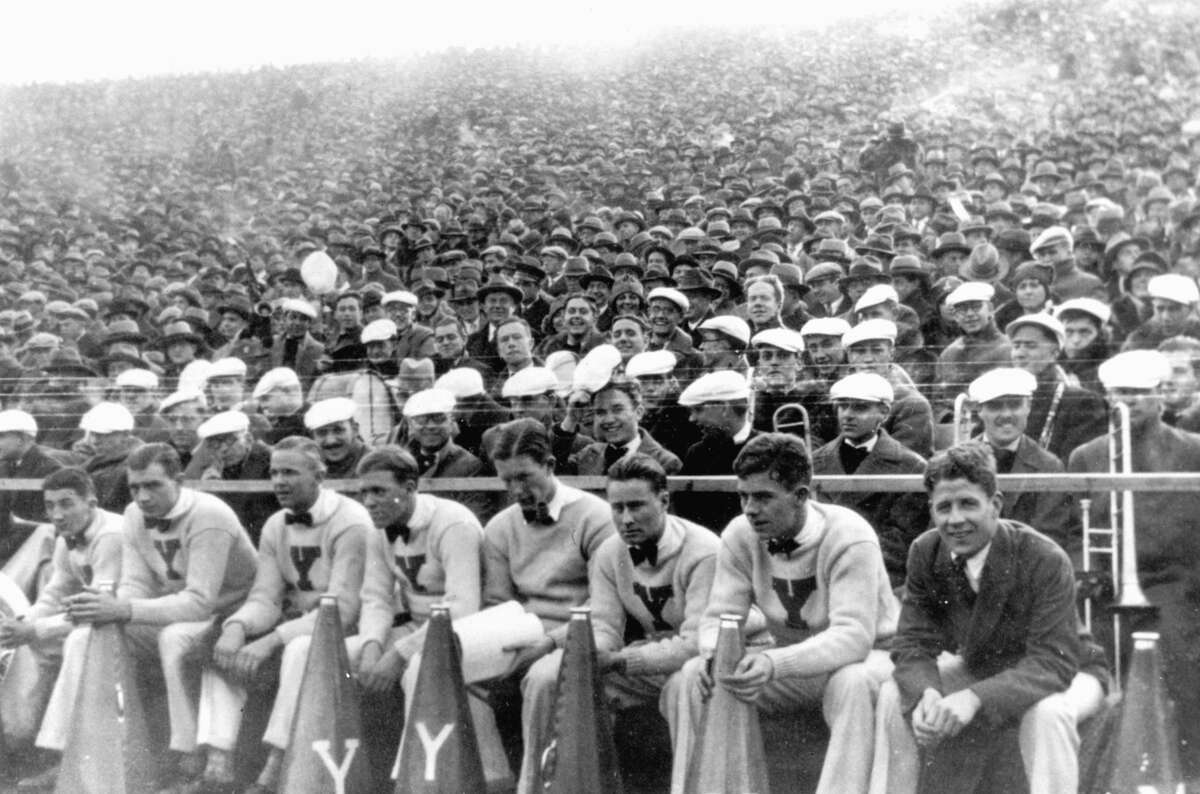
[[544, 672], [854, 678], [1050, 710]]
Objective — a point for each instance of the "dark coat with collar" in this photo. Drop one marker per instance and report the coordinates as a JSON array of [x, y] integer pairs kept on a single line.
[[1052, 513], [1080, 416], [252, 508], [35, 464], [483, 349], [910, 420], [111, 478], [897, 517], [308, 357], [590, 459], [713, 454]]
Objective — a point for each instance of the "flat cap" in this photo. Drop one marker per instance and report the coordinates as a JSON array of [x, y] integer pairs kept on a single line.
[[228, 367], [16, 421], [1052, 236], [866, 386], [970, 291], [716, 387], [326, 412], [400, 296], [825, 326], [430, 401], [278, 378], [671, 294], [1002, 382], [180, 397], [870, 330], [379, 330], [1174, 287], [876, 295], [223, 423], [1089, 306], [651, 362], [137, 379], [107, 418], [299, 307], [529, 382], [1135, 369], [1047, 322], [461, 382], [734, 327], [782, 338]]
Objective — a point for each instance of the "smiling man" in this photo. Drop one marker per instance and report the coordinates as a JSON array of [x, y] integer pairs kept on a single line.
[[579, 334], [616, 409], [816, 573], [332, 425]]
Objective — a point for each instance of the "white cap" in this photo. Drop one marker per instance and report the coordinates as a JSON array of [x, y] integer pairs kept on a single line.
[[461, 382], [782, 338], [1052, 236], [429, 401], [223, 423], [137, 379], [863, 386], [379, 330], [830, 215], [877, 328], [15, 421], [671, 294], [107, 418], [194, 375], [400, 296], [651, 362], [1042, 320], [278, 378], [729, 325], [1174, 287], [716, 387], [880, 293], [529, 382], [1135, 369], [970, 291], [1097, 309], [563, 364], [825, 326], [180, 397], [227, 368], [299, 307], [326, 412], [1002, 382]]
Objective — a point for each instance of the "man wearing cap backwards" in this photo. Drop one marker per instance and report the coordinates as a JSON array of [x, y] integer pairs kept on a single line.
[[21, 457], [1168, 546], [647, 587], [988, 643], [870, 347], [280, 399], [87, 550], [1061, 416], [108, 436], [1056, 247], [229, 452], [979, 347], [1174, 298], [314, 545], [332, 425], [664, 417], [185, 559], [1001, 398], [863, 447], [538, 549], [615, 409], [296, 348], [816, 573]]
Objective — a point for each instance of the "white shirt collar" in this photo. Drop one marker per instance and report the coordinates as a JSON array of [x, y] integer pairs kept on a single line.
[[975, 566], [868, 445], [563, 496]]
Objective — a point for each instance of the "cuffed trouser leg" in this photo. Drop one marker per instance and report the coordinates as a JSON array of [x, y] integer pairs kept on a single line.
[[1049, 735], [291, 676], [221, 705], [53, 733], [683, 707], [895, 764]]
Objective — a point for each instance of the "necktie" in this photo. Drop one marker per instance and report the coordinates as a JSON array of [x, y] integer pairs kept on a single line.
[[612, 453], [397, 530], [851, 456], [73, 541], [160, 524], [541, 515], [303, 517], [425, 460], [644, 552], [962, 583], [1004, 459], [784, 546]]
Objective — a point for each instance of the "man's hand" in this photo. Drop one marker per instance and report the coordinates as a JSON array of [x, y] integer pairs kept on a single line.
[[955, 712], [922, 719], [251, 656], [384, 671], [233, 637], [15, 633], [704, 680], [528, 654], [610, 661], [749, 677], [577, 405], [213, 472], [95, 606]]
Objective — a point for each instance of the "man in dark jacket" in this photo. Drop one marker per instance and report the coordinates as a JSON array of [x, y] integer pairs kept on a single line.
[[109, 437], [230, 452], [21, 457]]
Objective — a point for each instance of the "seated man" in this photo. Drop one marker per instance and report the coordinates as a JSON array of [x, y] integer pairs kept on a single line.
[[616, 408], [966, 671], [648, 588], [816, 573], [720, 405], [185, 558], [21, 457], [315, 545], [332, 424], [87, 550], [280, 399], [664, 418], [229, 452], [870, 347], [431, 431]]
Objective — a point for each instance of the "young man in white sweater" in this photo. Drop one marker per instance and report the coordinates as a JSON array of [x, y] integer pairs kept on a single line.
[[185, 559], [817, 574], [650, 581], [314, 546]]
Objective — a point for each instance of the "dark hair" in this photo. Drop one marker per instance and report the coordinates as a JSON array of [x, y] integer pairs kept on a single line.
[[348, 296], [147, 455], [390, 458], [972, 461], [782, 456], [71, 478], [520, 321], [627, 386], [455, 321], [639, 467], [527, 437], [306, 446]]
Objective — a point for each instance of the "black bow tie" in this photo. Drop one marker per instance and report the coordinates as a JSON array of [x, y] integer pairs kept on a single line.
[[303, 517], [397, 530], [784, 546], [1004, 459], [852, 456], [612, 453], [74, 541], [160, 524], [541, 515], [644, 552]]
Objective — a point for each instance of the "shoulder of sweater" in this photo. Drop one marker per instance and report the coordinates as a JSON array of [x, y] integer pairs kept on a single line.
[[448, 511], [351, 511], [843, 527]]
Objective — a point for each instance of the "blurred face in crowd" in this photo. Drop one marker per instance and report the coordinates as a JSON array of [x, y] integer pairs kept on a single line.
[[762, 303], [381, 351], [229, 449], [1031, 294], [498, 307], [1032, 349], [870, 355], [825, 352], [657, 389], [579, 317], [639, 513], [1082, 331], [628, 337], [154, 491], [427, 302], [182, 421], [295, 479], [1171, 315], [226, 391], [665, 316], [136, 400], [972, 316], [336, 440], [295, 324], [431, 431], [1053, 254], [529, 285], [12, 445], [449, 341], [777, 368], [68, 511], [537, 406], [858, 420], [528, 481], [348, 313], [231, 325], [1181, 387], [718, 351], [615, 416], [1004, 419], [825, 290], [627, 303], [181, 352], [1145, 405], [514, 344], [400, 313]]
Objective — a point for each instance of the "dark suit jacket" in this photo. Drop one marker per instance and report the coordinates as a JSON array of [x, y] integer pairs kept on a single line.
[[898, 518], [480, 348], [252, 508], [28, 505], [453, 461], [910, 420], [590, 459], [308, 357], [1053, 514], [1081, 415], [1020, 642]]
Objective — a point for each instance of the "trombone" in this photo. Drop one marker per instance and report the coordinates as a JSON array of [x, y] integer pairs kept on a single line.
[[791, 417], [962, 419], [1118, 542]]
